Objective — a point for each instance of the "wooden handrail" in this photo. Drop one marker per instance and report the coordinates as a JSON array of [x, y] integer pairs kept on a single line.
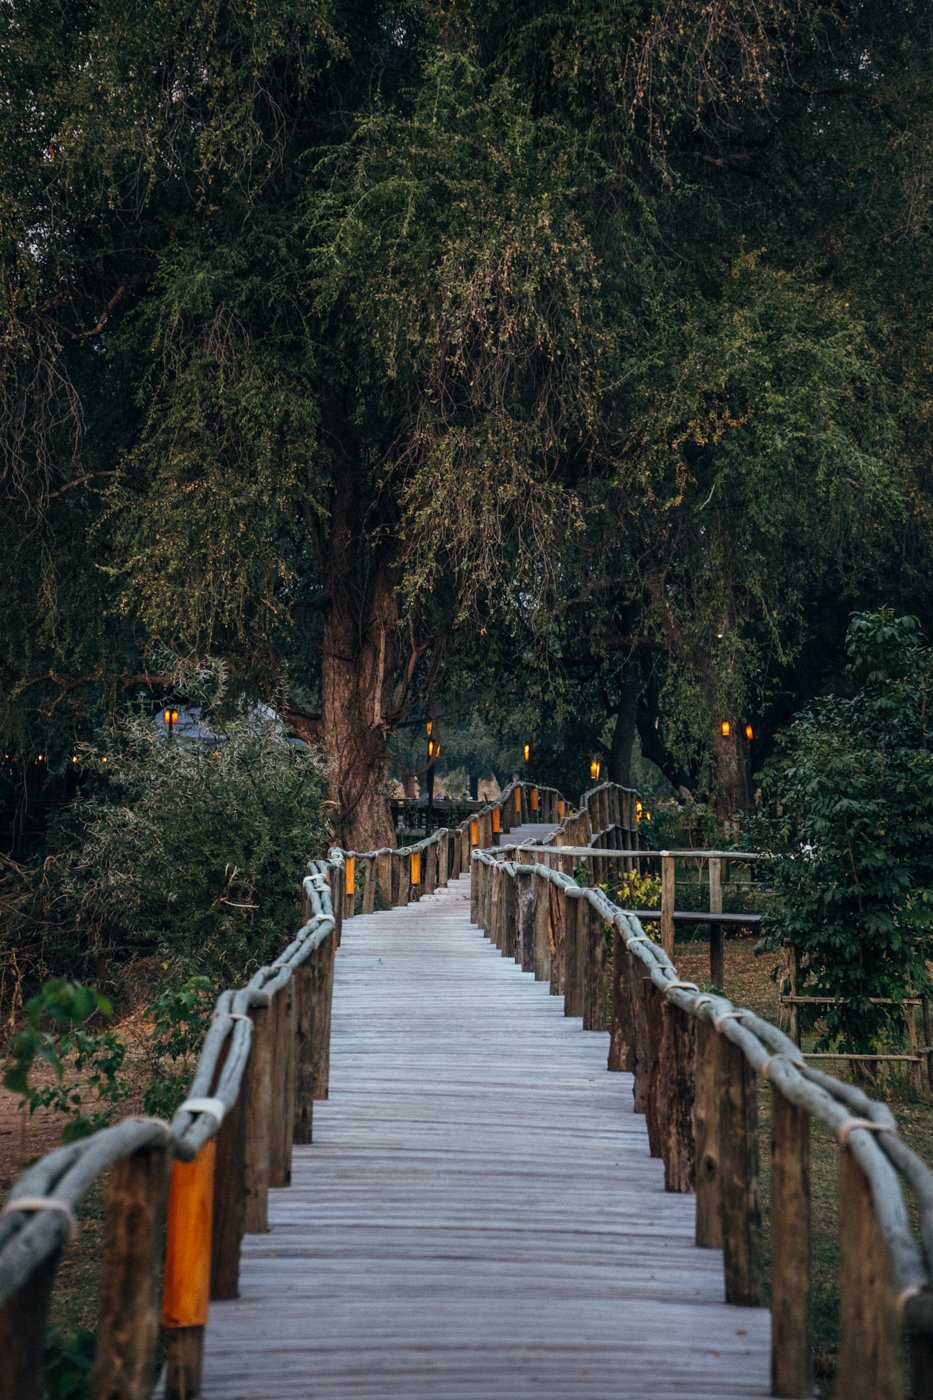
[[695, 1058]]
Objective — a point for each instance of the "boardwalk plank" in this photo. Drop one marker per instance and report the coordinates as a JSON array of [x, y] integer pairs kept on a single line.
[[478, 1217]]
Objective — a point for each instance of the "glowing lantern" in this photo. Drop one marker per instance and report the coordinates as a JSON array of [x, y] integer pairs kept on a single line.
[[639, 811], [749, 733], [416, 867], [594, 769], [526, 752], [725, 729], [350, 873]]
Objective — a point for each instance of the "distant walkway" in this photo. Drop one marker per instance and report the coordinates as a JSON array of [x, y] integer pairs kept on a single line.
[[478, 1217]]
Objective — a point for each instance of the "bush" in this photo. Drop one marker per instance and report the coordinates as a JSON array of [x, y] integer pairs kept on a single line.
[[856, 898], [193, 852]]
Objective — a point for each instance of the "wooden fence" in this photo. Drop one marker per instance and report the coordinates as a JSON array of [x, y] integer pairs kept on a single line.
[[695, 1059]]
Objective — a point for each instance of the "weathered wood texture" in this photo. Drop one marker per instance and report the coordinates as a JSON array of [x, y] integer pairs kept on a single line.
[[479, 1218]]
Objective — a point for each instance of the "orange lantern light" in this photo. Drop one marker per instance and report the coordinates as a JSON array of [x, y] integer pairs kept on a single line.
[[526, 752], [595, 767], [749, 733], [639, 811], [416, 867], [725, 728]]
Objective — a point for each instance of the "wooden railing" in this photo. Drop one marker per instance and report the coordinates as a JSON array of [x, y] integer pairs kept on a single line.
[[695, 1060], [200, 1182], [196, 1184]]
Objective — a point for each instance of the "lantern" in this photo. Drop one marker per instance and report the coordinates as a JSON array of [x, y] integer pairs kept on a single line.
[[350, 875], [170, 718], [639, 811], [749, 733], [416, 867], [725, 728], [526, 752], [430, 727], [594, 769]]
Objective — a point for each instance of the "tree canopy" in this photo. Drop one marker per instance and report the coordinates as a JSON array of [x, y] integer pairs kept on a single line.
[[343, 339]]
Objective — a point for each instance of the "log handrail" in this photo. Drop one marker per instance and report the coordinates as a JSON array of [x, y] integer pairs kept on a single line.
[[695, 1057], [38, 1218]]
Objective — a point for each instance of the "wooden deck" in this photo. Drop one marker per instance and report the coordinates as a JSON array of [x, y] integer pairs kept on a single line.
[[478, 1217]]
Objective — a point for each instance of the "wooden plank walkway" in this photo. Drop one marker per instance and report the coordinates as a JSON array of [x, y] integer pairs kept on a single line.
[[478, 1217]]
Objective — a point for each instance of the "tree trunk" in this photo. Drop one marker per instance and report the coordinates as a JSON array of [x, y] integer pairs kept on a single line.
[[732, 781], [360, 653], [623, 733], [357, 669]]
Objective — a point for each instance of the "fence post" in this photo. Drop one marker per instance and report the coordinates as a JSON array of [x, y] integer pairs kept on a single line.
[[187, 1283], [258, 1122], [678, 1055], [556, 906], [706, 1133], [525, 923], [594, 985], [541, 951], [369, 887], [128, 1310], [621, 1030], [322, 983], [22, 1333], [668, 894], [869, 1329], [229, 1195], [717, 973], [383, 881], [791, 1360], [654, 1103], [303, 1130], [283, 1086], [738, 1158], [510, 914]]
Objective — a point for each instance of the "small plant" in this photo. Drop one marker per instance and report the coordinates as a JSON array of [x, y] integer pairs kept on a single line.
[[67, 1361], [180, 1019], [56, 1034], [635, 891]]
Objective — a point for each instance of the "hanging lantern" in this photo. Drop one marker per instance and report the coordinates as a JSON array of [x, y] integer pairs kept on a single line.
[[526, 752], [749, 733], [430, 727], [639, 811], [595, 769], [725, 728]]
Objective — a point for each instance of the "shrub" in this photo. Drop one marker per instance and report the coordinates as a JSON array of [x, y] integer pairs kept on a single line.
[[856, 898], [193, 852]]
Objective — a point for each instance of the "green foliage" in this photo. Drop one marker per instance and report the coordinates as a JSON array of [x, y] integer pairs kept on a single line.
[[55, 1036], [67, 1361], [635, 891], [180, 1018], [856, 781], [194, 851]]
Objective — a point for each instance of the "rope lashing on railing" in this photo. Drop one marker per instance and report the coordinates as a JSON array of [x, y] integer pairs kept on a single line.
[[865, 1128]]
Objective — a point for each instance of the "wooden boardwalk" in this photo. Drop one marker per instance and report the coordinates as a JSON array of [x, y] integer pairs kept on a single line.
[[478, 1217]]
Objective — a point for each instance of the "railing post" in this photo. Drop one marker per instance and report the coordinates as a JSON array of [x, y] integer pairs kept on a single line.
[[791, 1360], [401, 880], [542, 952], [128, 1309], [717, 973], [738, 1158], [621, 1030], [283, 1086], [556, 905], [369, 887], [706, 1133], [668, 875], [22, 1333], [229, 1195], [258, 1122], [510, 914], [383, 880], [678, 1054], [492, 904], [654, 1100], [337, 899], [594, 969], [302, 982], [187, 1282], [525, 923], [869, 1329], [321, 965], [574, 913]]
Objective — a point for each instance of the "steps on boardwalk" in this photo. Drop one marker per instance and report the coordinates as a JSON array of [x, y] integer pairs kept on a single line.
[[478, 1217]]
